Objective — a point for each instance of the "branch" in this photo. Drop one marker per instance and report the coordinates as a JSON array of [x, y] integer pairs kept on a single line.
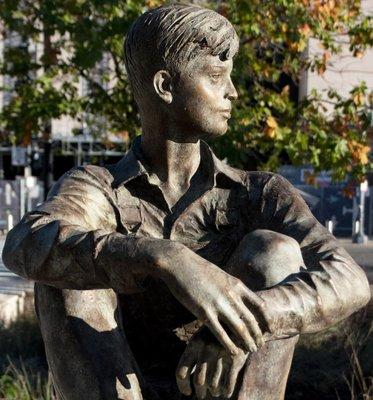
[[101, 90], [117, 67]]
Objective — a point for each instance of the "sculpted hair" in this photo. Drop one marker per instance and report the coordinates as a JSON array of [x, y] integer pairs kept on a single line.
[[170, 36]]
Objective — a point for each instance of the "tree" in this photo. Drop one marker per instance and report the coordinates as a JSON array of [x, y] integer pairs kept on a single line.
[[269, 126], [270, 123]]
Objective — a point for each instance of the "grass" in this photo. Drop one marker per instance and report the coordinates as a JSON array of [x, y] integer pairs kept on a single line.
[[22, 383], [336, 364], [23, 367]]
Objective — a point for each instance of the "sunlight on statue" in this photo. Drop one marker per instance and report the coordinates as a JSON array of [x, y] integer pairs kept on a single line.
[[171, 274]]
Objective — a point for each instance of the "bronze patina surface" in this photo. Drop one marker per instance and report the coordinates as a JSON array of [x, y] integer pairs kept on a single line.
[[171, 260]]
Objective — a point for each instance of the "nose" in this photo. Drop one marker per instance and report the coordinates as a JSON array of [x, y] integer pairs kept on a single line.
[[231, 92]]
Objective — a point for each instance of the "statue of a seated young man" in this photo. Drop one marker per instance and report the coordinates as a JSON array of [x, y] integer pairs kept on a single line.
[[128, 256]]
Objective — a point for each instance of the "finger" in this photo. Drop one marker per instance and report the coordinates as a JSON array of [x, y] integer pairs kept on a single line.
[[214, 376], [231, 378], [184, 369], [252, 297], [226, 367], [252, 324], [199, 379], [238, 326], [215, 327]]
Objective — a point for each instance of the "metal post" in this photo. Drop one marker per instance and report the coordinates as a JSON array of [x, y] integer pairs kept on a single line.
[[79, 153], [370, 225], [22, 197], [1, 165], [360, 236], [47, 167]]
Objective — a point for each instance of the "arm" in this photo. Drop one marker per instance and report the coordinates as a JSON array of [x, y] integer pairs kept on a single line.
[[70, 241], [330, 287]]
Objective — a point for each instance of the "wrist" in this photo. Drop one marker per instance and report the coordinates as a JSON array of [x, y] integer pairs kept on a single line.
[[279, 321], [161, 256]]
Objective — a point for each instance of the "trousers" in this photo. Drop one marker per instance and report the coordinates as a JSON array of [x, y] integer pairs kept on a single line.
[[90, 357]]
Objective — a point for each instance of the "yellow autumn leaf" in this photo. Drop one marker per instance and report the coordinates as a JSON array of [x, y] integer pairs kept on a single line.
[[271, 129], [270, 133], [284, 28], [326, 56], [285, 91], [304, 30], [271, 122], [359, 54], [359, 152], [310, 179], [298, 46], [153, 3], [358, 99], [321, 69]]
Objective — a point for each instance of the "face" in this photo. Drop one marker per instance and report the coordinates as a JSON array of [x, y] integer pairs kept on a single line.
[[202, 99]]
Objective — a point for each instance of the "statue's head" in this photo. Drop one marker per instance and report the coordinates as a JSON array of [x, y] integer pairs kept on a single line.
[[179, 60]]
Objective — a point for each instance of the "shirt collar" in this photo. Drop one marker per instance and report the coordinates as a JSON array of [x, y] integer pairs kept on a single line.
[[133, 165]]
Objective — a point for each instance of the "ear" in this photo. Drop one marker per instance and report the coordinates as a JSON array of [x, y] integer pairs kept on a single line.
[[162, 85]]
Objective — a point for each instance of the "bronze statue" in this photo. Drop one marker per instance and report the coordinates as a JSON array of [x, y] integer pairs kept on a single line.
[[173, 245]]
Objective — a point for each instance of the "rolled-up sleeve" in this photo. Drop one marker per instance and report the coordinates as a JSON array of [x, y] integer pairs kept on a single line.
[[71, 240], [330, 286]]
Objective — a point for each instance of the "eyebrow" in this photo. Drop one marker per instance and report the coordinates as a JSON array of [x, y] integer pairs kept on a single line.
[[215, 67]]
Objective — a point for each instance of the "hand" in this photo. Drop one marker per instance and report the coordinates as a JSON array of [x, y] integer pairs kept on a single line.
[[215, 369], [214, 297]]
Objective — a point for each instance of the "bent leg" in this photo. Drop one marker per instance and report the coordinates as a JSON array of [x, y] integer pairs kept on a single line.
[[264, 259], [86, 348]]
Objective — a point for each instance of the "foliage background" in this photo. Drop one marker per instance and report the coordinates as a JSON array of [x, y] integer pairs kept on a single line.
[[270, 125]]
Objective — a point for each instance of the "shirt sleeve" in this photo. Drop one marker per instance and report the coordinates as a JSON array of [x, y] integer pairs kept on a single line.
[[70, 241], [329, 288]]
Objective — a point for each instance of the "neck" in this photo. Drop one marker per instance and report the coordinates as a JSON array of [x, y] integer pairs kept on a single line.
[[173, 162]]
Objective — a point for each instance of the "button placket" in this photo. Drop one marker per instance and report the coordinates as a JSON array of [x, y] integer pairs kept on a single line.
[[129, 210]]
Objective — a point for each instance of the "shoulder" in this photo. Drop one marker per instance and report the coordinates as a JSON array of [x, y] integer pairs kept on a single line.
[[91, 172], [267, 181], [269, 187], [84, 178]]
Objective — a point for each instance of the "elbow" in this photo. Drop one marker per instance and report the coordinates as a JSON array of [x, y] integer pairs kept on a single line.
[[363, 290], [349, 293], [12, 255], [26, 250], [360, 294]]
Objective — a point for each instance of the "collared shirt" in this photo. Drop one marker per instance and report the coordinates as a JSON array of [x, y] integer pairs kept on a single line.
[[83, 237]]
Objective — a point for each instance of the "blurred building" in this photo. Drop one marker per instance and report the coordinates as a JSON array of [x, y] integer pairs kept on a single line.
[[73, 140], [343, 72]]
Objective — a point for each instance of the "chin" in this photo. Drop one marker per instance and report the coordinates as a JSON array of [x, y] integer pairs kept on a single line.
[[207, 130], [211, 135], [216, 131]]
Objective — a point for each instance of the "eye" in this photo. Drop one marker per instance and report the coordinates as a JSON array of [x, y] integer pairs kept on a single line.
[[215, 77]]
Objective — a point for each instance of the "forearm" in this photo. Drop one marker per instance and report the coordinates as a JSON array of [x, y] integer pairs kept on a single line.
[[330, 286], [314, 300], [66, 256]]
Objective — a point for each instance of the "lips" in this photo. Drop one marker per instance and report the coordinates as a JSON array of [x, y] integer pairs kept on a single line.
[[226, 113]]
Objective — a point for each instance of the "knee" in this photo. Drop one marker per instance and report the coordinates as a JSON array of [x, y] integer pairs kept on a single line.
[[265, 258], [97, 308]]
